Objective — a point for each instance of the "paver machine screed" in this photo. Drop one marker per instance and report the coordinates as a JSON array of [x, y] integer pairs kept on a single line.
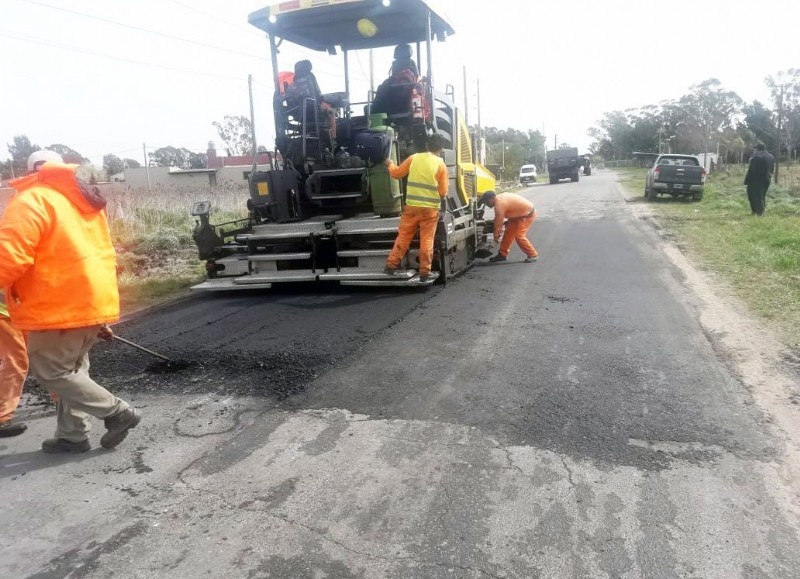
[[327, 210]]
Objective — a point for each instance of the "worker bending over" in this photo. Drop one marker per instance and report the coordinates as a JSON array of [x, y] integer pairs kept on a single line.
[[520, 215]]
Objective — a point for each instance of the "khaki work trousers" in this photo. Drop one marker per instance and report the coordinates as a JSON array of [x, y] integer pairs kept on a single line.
[[517, 230], [13, 368], [413, 218], [59, 360]]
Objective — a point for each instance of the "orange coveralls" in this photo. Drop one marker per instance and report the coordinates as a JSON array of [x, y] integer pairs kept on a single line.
[[13, 365], [424, 168], [520, 214]]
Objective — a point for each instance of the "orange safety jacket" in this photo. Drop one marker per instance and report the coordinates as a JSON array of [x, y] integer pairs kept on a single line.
[[509, 206], [427, 179], [57, 262]]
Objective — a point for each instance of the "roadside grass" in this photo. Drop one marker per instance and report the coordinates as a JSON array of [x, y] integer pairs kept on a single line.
[[152, 233], [759, 258]]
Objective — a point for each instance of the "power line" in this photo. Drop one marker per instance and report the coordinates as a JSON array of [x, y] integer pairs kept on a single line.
[[147, 30], [120, 58], [214, 17]]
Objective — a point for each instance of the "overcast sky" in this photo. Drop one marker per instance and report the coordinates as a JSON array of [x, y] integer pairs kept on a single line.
[[88, 74]]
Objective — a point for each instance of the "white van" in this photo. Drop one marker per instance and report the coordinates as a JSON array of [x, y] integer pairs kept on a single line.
[[527, 174]]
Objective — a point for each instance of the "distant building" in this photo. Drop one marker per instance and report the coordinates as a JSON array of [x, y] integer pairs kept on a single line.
[[215, 162], [219, 171]]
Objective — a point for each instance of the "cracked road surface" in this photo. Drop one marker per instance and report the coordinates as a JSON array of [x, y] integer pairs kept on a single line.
[[600, 413]]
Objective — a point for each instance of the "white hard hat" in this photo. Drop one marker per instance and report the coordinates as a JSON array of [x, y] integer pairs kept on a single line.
[[42, 157]]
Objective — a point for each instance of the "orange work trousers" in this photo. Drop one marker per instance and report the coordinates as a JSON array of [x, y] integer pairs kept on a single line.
[[413, 218], [13, 368], [517, 230]]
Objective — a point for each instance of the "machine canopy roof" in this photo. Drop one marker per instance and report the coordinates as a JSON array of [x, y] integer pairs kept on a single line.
[[327, 24]]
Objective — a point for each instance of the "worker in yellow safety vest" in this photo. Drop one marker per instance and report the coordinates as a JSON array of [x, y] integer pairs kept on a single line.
[[426, 187]]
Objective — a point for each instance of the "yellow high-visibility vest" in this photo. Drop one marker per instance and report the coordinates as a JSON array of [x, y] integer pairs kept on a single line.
[[422, 189]]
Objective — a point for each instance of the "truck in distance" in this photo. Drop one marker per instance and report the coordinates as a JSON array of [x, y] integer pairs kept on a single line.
[[563, 164]]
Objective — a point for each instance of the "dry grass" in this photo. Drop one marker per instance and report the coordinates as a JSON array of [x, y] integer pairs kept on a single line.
[[152, 233], [153, 236]]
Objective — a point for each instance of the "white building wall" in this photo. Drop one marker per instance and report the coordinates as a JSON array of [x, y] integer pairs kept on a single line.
[[137, 178]]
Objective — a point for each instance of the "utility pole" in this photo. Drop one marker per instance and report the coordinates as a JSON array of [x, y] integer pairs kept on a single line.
[[146, 167], [555, 141], [780, 131], [481, 156], [371, 72], [503, 164], [466, 102]]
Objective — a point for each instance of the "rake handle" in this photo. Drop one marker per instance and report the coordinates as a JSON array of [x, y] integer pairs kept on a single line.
[[142, 348]]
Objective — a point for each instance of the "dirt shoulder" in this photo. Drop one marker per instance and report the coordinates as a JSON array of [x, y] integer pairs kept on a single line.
[[752, 346]]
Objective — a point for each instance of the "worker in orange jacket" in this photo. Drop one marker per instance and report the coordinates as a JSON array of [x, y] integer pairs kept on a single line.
[[520, 215], [58, 268], [13, 370], [13, 351], [426, 187]]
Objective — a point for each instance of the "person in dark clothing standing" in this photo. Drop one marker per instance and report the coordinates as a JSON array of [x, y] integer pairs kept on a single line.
[[758, 177]]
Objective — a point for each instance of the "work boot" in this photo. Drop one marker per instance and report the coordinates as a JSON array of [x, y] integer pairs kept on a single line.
[[9, 429], [59, 445], [498, 257], [423, 277], [118, 427], [531, 258], [389, 270]]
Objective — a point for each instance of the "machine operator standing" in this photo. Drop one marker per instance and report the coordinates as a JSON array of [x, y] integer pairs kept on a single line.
[[426, 187]]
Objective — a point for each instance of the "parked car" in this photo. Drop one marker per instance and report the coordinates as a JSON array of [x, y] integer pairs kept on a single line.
[[678, 175], [527, 174]]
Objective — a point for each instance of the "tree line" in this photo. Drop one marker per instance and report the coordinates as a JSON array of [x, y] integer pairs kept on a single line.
[[708, 118], [234, 131]]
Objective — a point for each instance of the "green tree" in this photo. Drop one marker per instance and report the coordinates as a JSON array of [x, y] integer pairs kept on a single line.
[[20, 150], [236, 133], [132, 163], [5, 169], [711, 109], [785, 92], [760, 122], [69, 154], [113, 165], [198, 160], [170, 157]]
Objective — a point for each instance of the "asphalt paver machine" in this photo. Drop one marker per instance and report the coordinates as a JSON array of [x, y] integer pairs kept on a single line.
[[327, 210]]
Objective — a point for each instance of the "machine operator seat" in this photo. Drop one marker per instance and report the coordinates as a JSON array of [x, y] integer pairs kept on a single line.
[[320, 117]]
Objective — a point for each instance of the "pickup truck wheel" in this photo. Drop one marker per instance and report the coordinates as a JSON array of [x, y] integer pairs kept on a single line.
[[553, 180], [646, 192], [575, 178], [697, 196], [652, 195]]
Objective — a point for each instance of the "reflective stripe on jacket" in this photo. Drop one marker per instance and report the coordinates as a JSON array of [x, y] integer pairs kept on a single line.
[[427, 179], [57, 261]]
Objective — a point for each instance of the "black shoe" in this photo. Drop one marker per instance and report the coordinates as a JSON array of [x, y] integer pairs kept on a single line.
[[118, 427], [9, 429], [389, 270], [531, 258], [423, 277], [56, 445], [498, 257]]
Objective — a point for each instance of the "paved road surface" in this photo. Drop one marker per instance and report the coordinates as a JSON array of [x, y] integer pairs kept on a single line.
[[568, 418]]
